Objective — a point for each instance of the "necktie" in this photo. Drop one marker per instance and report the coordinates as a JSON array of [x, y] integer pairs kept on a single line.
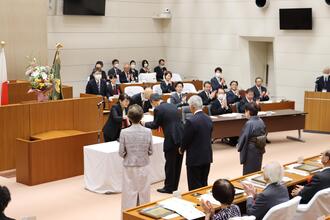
[[180, 97], [114, 90]]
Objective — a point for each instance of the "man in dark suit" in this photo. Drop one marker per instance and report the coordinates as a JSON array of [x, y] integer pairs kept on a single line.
[[218, 81], [207, 94], [143, 99], [113, 88], [319, 181], [97, 86], [160, 70], [249, 94], [219, 106], [233, 95], [260, 92], [126, 76], [5, 198], [322, 83], [275, 193], [167, 117], [178, 98], [98, 67], [115, 68], [197, 142]]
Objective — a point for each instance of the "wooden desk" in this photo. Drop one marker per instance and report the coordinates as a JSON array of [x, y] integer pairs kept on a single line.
[[197, 83], [46, 158], [133, 214], [281, 120], [277, 105], [317, 105], [17, 92]]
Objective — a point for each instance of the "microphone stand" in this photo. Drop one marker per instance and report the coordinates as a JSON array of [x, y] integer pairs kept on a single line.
[[100, 122]]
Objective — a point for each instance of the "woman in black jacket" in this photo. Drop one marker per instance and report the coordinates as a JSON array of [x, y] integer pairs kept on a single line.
[[117, 119], [167, 85]]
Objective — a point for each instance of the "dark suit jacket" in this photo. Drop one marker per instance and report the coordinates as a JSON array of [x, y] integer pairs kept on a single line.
[[241, 105], [272, 195], [197, 140], [124, 79], [137, 99], [320, 84], [167, 88], [114, 71], [216, 85], [135, 73], [143, 71], [113, 125], [159, 73], [111, 91], [92, 87], [168, 117], [175, 99], [3, 217], [206, 100], [319, 181], [216, 108], [257, 93], [104, 76], [232, 98]]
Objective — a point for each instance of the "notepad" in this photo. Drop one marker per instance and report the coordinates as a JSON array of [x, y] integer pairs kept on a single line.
[[156, 212], [307, 167]]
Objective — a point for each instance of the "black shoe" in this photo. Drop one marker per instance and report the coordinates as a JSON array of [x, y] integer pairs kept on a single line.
[[163, 190]]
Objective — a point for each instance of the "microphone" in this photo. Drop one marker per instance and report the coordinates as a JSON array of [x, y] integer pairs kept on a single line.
[[100, 103]]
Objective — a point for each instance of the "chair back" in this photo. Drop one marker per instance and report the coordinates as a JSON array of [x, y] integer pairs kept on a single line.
[[157, 89], [147, 78], [176, 77], [283, 211], [189, 88], [132, 90], [317, 207]]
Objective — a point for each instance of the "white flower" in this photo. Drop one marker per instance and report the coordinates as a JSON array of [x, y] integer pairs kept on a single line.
[[34, 74], [44, 75]]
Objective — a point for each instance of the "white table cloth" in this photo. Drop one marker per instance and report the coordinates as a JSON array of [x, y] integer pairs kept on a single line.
[[103, 167]]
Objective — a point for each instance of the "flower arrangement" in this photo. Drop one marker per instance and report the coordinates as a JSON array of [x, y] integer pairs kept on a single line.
[[40, 78]]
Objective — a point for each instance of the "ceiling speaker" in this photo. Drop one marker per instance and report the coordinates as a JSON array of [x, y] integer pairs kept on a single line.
[[265, 3]]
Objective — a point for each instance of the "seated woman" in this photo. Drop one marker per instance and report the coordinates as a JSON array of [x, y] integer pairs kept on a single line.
[[224, 192], [219, 106], [145, 67], [134, 71], [167, 85], [117, 119]]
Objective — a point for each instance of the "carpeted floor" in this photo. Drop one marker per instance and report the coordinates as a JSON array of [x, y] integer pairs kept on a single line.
[[67, 199]]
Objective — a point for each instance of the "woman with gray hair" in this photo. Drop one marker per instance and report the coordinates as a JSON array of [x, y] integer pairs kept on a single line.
[[274, 193]]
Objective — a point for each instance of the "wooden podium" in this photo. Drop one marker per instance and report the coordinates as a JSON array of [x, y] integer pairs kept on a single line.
[[317, 105]]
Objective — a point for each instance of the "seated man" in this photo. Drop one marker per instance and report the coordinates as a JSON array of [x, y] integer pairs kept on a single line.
[[275, 193], [322, 83], [160, 70], [224, 192], [218, 81], [207, 94], [260, 92], [319, 181], [220, 106], [233, 95], [249, 94], [178, 98], [97, 85], [4, 200], [113, 87], [127, 76], [98, 67], [143, 99]]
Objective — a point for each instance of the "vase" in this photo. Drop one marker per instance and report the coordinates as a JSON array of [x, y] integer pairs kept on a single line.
[[42, 97]]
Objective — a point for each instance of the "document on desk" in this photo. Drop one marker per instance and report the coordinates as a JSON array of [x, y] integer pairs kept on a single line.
[[184, 208], [209, 197], [148, 118], [232, 115]]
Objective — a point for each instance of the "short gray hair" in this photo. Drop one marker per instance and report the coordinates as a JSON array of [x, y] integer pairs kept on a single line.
[[196, 102], [274, 172]]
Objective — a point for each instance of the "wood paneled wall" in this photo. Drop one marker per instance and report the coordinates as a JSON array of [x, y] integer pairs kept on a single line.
[[25, 120]]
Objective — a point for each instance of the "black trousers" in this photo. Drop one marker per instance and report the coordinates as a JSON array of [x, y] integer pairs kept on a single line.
[[197, 176], [173, 164]]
